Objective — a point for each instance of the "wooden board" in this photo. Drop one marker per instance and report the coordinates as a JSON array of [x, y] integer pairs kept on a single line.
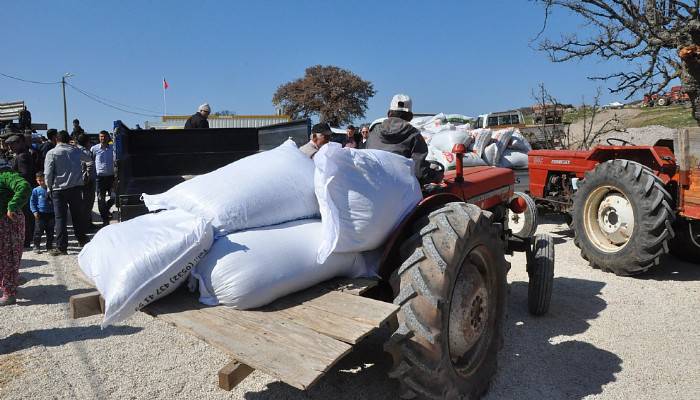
[[265, 341], [295, 339]]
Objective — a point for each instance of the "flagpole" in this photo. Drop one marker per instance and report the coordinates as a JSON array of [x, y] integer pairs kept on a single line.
[[165, 104]]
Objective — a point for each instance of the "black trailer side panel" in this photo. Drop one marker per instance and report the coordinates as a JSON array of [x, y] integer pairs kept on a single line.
[[153, 161]]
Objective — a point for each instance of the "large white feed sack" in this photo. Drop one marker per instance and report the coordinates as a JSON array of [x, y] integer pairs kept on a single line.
[[363, 196], [136, 262], [481, 139], [502, 139], [513, 159], [264, 189], [252, 268], [446, 139], [449, 160], [519, 143]]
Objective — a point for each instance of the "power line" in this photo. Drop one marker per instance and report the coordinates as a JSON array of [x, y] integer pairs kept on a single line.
[[112, 101], [105, 103], [92, 96], [28, 80]]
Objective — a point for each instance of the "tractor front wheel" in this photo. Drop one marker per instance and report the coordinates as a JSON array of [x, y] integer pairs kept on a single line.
[[452, 295], [540, 271], [623, 219]]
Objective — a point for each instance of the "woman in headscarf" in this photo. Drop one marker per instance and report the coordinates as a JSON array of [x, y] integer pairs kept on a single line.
[[14, 194]]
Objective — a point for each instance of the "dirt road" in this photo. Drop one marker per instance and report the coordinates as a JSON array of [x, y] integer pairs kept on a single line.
[[605, 337]]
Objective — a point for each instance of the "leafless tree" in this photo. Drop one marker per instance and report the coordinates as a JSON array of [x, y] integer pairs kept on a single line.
[[550, 134], [659, 38], [592, 132]]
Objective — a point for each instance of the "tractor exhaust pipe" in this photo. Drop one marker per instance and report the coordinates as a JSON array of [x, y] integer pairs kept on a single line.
[[459, 150]]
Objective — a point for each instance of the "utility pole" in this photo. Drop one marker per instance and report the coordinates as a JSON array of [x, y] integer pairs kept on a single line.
[[65, 107]]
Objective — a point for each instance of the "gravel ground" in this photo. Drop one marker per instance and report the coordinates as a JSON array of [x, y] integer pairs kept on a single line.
[[605, 337]]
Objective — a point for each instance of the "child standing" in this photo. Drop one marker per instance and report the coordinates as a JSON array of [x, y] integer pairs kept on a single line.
[[42, 208]]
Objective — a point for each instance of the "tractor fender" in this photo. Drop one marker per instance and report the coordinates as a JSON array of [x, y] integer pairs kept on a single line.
[[391, 259], [659, 159]]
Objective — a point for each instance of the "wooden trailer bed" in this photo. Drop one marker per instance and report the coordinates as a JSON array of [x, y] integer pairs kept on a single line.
[[296, 339]]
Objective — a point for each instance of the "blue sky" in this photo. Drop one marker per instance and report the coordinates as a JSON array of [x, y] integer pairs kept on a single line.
[[466, 57]]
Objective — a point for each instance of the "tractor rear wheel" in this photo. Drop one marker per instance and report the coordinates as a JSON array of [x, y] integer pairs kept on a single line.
[[686, 244], [623, 219], [452, 295]]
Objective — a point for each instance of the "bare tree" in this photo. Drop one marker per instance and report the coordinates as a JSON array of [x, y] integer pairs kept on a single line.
[[592, 132], [660, 39], [548, 136]]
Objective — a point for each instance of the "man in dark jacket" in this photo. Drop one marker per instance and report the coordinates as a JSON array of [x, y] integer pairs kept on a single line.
[[77, 130], [198, 120], [47, 146], [398, 136]]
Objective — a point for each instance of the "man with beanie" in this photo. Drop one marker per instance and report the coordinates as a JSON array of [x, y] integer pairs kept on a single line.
[[320, 135], [396, 135], [198, 120]]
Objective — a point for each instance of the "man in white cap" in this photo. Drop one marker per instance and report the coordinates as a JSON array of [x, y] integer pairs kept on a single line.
[[396, 135], [198, 120]]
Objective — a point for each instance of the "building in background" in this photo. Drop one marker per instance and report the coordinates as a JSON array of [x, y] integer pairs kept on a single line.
[[220, 121]]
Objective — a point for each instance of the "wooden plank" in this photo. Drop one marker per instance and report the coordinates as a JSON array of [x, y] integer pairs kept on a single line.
[[263, 340], [327, 323], [85, 305], [360, 309], [232, 374]]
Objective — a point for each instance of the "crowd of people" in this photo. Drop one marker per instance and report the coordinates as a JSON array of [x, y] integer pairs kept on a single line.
[[41, 180]]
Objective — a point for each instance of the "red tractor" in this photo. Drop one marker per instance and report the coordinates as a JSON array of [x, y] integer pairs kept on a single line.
[[674, 96], [446, 267], [628, 205]]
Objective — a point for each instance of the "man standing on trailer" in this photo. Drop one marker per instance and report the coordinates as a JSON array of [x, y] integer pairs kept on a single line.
[[103, 154], [198, 120]]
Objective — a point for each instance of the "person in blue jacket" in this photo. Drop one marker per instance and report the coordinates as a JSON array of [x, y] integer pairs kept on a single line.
[[42, 208]]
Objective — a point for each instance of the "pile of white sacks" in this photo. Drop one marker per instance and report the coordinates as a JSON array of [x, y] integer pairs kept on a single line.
[[502, 148], [255, 230]]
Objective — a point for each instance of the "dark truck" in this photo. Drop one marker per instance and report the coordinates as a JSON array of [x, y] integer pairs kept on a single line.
[[154, 160]]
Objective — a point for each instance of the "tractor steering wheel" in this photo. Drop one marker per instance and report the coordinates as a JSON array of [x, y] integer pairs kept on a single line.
[[623, 141]]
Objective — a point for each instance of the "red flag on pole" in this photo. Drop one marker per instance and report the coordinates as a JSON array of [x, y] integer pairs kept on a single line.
[[165, 84]]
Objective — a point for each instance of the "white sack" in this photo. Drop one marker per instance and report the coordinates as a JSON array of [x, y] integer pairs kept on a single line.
[[363, 196], [449, 161], [252, 268], [501, 138], [513, 159], [481, 138], [431, 123], [445, 140], [136, 262], [264, 189], [491, 154], [519, 143]]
